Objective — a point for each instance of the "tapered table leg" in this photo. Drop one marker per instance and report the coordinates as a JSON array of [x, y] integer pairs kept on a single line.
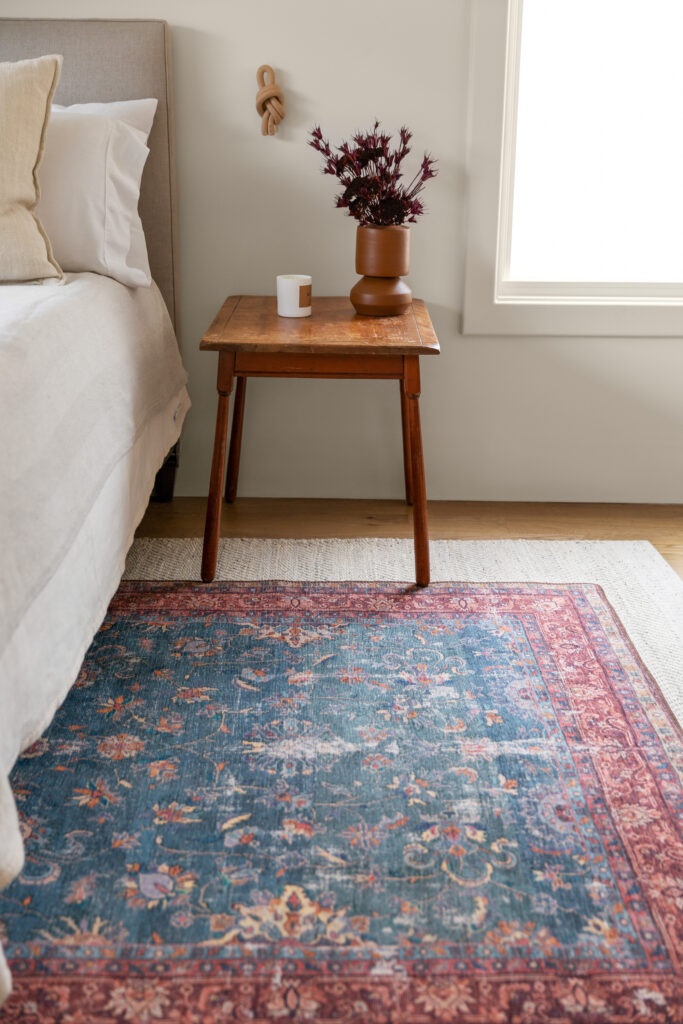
[[235, 440], [407, 467], [411, 391], [212, 527]]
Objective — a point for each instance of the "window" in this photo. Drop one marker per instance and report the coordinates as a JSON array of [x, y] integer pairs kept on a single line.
[[575, 168]]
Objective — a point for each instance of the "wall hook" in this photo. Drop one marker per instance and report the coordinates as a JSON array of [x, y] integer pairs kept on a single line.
[[270, 101]]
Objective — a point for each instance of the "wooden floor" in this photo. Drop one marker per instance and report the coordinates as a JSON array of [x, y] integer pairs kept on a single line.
[[662, 525]]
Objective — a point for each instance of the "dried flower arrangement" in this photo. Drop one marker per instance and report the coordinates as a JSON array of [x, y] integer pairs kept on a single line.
[[371, 175]]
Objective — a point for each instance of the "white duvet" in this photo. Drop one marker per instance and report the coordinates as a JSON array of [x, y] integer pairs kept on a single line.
[[92, 396]]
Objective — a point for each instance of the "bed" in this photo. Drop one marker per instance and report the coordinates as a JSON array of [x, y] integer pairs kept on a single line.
[[92, 386]]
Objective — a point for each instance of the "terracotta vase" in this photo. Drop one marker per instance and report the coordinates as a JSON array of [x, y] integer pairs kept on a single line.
[[383, 258]]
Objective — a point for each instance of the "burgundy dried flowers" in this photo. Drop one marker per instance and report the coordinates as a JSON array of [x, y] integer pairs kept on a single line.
[[371, 176]]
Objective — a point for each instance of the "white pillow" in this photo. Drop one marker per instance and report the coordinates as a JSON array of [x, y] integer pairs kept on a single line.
[[90, 178], [137, 113]]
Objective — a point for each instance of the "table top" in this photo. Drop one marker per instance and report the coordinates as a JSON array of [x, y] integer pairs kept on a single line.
[[249, 323]]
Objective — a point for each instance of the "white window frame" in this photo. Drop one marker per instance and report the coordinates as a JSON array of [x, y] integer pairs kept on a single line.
[[494, 304]]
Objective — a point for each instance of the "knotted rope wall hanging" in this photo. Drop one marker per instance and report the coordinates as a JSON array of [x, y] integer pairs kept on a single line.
[[270, 102]]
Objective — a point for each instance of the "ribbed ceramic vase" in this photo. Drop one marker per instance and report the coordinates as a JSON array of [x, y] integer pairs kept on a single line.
[[383, 258]]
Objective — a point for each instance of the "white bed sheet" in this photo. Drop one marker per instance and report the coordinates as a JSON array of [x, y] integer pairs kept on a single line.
[[83, 584], [83, 366], [92, 396]]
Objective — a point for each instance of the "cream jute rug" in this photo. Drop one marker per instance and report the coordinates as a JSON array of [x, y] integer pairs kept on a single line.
[[643, 589]]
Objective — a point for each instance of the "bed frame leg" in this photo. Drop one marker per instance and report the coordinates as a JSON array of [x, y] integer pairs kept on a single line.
[[164, 482]]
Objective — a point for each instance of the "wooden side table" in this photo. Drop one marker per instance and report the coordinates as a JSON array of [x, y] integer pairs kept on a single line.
[[253, 341]]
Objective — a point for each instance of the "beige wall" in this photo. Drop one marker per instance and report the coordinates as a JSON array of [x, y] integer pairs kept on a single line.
[[503, 418]]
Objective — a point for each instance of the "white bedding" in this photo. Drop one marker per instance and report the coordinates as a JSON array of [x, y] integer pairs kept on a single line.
[[92, 396]]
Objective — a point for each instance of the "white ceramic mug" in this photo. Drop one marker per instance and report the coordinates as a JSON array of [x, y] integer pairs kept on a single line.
[[294, 294]]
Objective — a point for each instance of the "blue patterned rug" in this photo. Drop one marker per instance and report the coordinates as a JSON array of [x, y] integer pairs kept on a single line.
[[344, 802]]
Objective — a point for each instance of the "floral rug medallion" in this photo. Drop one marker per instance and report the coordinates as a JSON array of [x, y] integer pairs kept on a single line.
[[352, 802]]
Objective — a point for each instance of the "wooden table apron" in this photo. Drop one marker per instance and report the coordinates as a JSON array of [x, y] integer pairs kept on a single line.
[[337, 344]]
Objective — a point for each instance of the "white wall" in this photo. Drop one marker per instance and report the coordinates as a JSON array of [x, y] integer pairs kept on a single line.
[[503, 418]]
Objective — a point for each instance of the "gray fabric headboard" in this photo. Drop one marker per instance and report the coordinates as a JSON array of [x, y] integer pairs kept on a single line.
[[118, 60]]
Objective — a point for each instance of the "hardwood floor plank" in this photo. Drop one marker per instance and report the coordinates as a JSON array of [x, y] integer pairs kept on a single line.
[[661, 525]]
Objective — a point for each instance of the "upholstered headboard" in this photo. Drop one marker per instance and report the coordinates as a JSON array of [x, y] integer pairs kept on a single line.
[[118, 60]]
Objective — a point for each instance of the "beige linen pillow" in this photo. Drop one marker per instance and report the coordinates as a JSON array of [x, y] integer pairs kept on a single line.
[[26, 91]]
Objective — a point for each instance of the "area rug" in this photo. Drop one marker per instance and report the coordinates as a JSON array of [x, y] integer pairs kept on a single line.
[[350, 802]]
